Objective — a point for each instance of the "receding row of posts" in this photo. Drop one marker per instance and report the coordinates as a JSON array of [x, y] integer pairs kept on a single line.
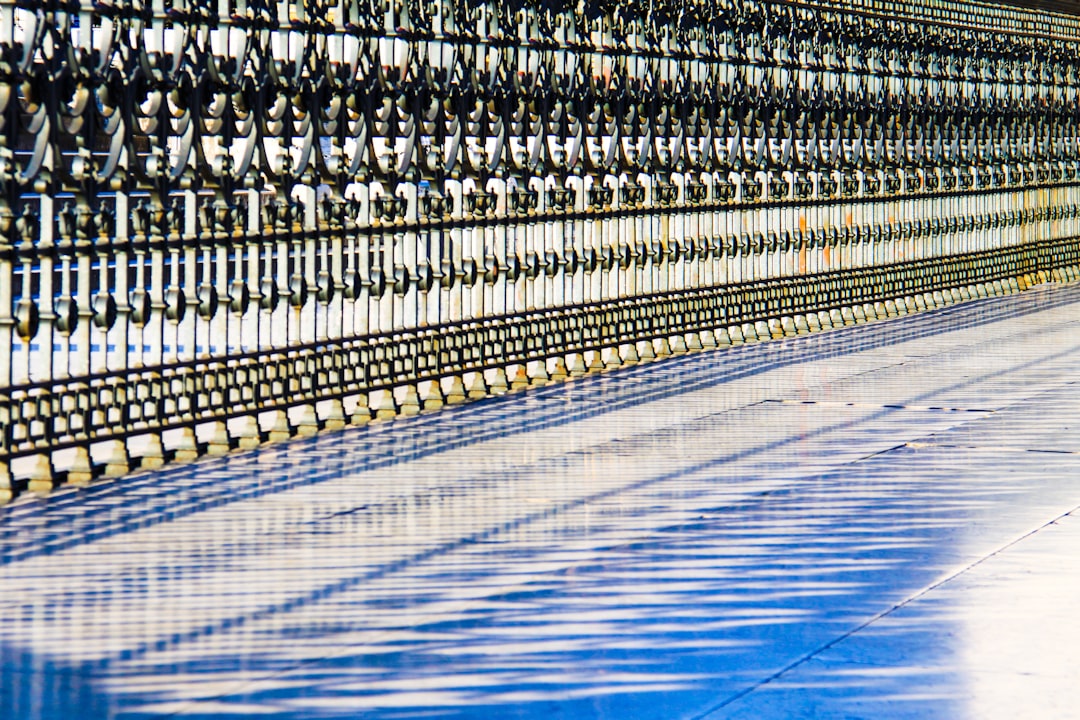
[[235, 221]]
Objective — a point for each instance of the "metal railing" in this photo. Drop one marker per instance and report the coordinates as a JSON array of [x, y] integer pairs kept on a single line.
[[228, 221]]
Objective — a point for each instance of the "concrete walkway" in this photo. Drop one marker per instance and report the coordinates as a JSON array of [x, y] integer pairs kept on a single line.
[[874, 522]]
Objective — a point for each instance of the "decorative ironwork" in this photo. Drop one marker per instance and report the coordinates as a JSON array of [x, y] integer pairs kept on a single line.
[[223, 221]]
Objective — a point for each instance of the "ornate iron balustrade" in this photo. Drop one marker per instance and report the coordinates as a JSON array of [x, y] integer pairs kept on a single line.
[[226, 221]]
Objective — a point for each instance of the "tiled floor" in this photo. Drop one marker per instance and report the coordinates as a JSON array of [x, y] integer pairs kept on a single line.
[[875, 522]]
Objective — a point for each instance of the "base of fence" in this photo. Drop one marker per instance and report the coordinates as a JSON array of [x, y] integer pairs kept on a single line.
[[36, 473]]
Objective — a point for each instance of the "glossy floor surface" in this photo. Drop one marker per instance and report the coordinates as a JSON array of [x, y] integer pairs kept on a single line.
[[874, 522]]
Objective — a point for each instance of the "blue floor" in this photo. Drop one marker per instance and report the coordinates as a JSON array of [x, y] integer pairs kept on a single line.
[[874, 522]]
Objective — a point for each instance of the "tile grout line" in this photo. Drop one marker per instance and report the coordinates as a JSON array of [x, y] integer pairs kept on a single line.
[[883, 614], [395, 566]]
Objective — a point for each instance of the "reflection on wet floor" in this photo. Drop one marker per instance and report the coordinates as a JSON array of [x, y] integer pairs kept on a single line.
[[870, 522]]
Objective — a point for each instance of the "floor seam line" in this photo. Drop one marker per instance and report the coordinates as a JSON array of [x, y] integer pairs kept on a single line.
[[885, 613]]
